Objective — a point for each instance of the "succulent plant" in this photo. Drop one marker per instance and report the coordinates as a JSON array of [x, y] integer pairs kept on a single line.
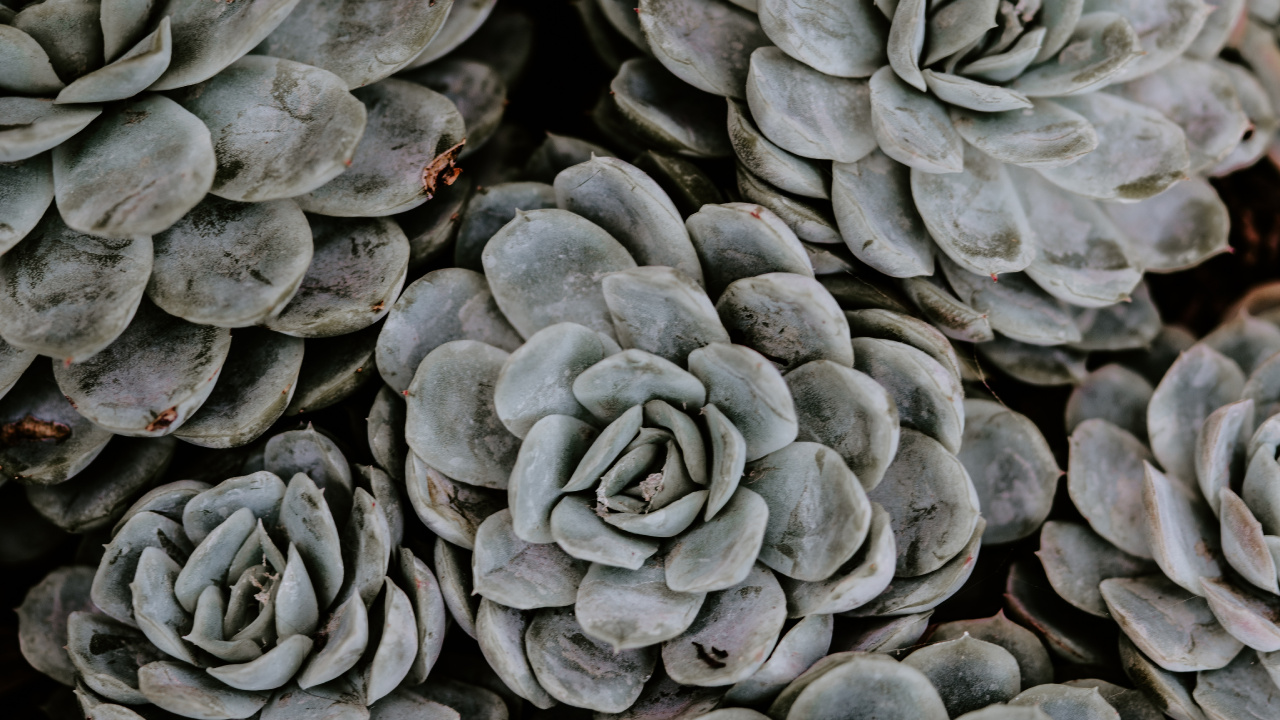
[[197, 327], [659, 437], [1056, 147], [1179, 488], [252, 595]]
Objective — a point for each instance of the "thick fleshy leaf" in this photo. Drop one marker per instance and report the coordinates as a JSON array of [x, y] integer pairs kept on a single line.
[[751, 393], [719, 553], [1180, 528], [348, 637], [1173, 627], [581, 671], [450, 509], [663, 112], [806, 112], [931, 501], [611, 386], [441, 306], [906, 596], [928, 396], [69, 295], [1140, 152], [1033, 660], [501, 634], [856, 582], [872, 681], [208, 38], [453, 568], [1177, 229], [770, 163], [257, 94], [1201, 99], [430, 618], [70, 31], [581, 532], [252, 392], [519, 574], [633, 608], [1076, 560], [1244, 545], [155, 606], [1015, 306], [661, 311], [906, 40], [1035, 364], [733, 634], [944, 310], [1103, 45], [1067, 701], [818, 512], [136, 171], [1237, 690], [1113, 393], [231, 264], [789, 318], [1067, 633], [877, 218], [739, 240], [687, 185], [1046, 135], [1012, 468], [110, 591], [1170, 691], [357, 269], [466, 441], [1201, 381], [973, 94], [1250, 342], [1082, 257], [42, 620], [798, 649], [26, 190], [1250, 616], [1167, 29], [912, 127], [409, 144], [810, 220], [975, 216], [27, 66], [107, 655], [151, 379], [476, 91], [32, 126], [849, 412], [463, 20], [333, 369], [488, 210], [552, 243], [94, 499], [538, 379], [840, 39], [632, 208], [969, 674], [706, 43], [1220, 449], [132, 73], [1105, 478], [331, 35]]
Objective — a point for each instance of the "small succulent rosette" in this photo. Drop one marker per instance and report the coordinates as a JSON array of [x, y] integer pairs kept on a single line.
[[289, 598], [640, 436], [217, 299], [1058, 147], [1179, 488]]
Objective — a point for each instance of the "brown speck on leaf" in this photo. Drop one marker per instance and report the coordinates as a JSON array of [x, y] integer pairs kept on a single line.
[[163, 420], [135, 116], [30, 429], [73, 402], [756, 213], [714, 658], [379, 306], [442, 170]]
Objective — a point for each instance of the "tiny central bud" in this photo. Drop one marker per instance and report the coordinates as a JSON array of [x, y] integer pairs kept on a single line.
[[650, 486]]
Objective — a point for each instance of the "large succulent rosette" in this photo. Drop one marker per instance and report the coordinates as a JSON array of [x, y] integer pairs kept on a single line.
[[640, 471], [1179, 488], [255, 595], [1057, 146], [254, 297]]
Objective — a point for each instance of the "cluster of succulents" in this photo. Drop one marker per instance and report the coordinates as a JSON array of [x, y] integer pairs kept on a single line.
[[340, 396]]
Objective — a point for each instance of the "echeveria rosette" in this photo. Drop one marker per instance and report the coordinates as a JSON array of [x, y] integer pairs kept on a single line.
[[1061, 140], [1180, 488], [254, 594], [658, 437]]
